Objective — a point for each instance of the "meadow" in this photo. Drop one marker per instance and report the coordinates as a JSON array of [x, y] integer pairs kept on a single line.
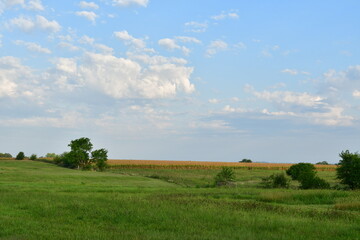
[[43, 201]]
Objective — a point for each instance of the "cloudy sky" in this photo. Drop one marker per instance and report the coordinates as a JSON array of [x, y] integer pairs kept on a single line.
[[273, 81]]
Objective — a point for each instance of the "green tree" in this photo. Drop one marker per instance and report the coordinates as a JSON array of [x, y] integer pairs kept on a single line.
[[305, 173], [245, 160], [349, 169], [322, 163], [50, 155], [33, 157], [276, 180], [5, 155], [100, 157], [225, 177], [20, 156]]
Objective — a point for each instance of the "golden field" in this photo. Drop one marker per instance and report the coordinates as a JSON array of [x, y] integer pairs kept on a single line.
[[125, 163]]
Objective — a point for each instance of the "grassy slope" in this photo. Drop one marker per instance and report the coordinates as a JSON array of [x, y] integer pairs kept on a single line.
[[42, 201]]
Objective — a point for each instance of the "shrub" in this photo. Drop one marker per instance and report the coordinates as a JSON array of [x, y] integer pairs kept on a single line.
[[297, 170], [245, 160], [313, 183], [225, 177], [51, 155], [276, 180], [20, 156], [33, 157], [5, 155], [323, 163], [349, 169]]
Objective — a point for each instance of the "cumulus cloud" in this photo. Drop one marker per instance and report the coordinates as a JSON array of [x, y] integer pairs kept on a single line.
[[196, 27], [68, 46], [356, 93], [92, 5], [170, 44], [91, 16], [129, 40], [126, 78], [35, 5], [225, 15], [186, 39], [294, 72], [125, 3], [34, 47], [27, 24], [215, 47]]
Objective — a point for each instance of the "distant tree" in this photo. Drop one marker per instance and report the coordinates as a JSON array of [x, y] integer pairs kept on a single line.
[[5, 155], [33, 157], [225, 177], [20, 156], [79, 156], [50, 155], [245, 160], [349, 169], [322, 163]]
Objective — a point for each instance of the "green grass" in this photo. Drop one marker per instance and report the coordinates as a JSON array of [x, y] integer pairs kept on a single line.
[[43, 201]]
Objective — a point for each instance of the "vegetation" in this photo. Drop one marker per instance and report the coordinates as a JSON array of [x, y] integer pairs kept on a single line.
[[5, 155], [305, 173], [349, 169], [322, 163], [51, 155], [245, 160], [276, 180], [79, 156], [44, 201], [20, 156], [33, 157], [225, 177]]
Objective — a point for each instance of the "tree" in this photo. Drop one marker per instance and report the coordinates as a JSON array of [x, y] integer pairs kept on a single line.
[[245, 160], [100, 157], [278, 180], [349, 169], [322, 163], [79, 156], [305, 173], [225, 176], [5, 155], [20, 156], [50, 155], [33, 157]]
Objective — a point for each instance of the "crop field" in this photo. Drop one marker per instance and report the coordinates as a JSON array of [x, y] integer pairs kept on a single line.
[[43, 201], [198, 164]]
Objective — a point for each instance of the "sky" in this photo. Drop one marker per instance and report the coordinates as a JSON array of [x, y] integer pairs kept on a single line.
[[205, 80]]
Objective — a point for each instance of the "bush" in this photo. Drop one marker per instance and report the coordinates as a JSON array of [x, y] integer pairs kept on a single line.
[[225, 177], [297, 170], [33, 157], [322, 163], [349, 169], [5, 155], [245, 160], [313, 183], [20, 156], [276, 180]]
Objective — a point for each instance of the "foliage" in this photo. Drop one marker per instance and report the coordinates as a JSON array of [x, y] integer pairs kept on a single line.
[[245, 160], [349, 169], [79, 156], [305, 173], [100, 157], [297, 170], [51, 155], [276, 180], [322, 163], [33, 157], [20, 156], [225, 177], [5, 155]]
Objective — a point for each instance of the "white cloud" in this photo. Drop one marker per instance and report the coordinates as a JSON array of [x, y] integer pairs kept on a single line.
[[224, 15], [1, 40], [170, 44], [294, 72], [130, 40], [125, 78], [34, 47], [186, 39], [68, 46], [196, 26], [348, 79], [104, 49], [214, 124], [215, 47], [35, 5], [86, 40], [91, 5], [91, 16], [214, 101], [27, 24], [356, 93], [125, 3]]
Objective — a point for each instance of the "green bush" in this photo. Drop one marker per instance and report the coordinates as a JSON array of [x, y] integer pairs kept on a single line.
[[245, 160], [20, 156], [297, 170], [225, 177], [276, 180], [313, 183], [33, 157], [349, 169], [5, 155]]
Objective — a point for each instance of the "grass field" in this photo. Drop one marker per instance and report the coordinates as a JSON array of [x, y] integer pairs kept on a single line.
[[43, 201]]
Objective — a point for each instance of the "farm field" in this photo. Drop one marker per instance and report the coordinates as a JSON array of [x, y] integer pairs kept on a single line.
[[43, 201]]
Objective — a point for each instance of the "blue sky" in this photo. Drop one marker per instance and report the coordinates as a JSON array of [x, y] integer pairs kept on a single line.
[[273, 81]]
